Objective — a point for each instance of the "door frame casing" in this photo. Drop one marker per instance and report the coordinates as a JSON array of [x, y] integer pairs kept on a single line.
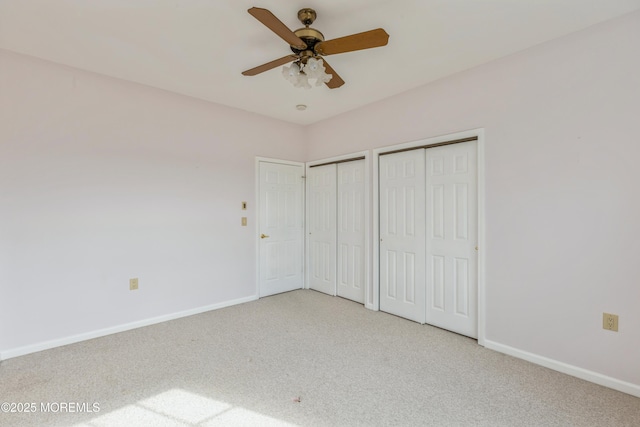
[[479, 134], [256, 225], [368, 298]]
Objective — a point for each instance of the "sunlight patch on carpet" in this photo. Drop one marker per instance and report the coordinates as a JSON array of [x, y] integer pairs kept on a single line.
[[177, 408]]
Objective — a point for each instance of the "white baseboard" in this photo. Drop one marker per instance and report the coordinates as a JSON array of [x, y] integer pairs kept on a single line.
[[594, 377], [33, 348]]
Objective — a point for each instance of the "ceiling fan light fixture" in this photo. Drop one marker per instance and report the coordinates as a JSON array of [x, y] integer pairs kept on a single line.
[[300, 75]]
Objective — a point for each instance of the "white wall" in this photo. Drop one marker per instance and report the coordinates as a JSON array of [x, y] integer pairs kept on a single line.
[[103, 180], [562, 133]]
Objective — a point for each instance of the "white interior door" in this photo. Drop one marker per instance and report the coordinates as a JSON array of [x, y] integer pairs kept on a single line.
[[280, 227], [321, 192], [402, 234], [452, 230], [351, 222]]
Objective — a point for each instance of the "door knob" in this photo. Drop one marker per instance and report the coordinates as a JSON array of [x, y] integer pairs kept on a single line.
[[263, 236]]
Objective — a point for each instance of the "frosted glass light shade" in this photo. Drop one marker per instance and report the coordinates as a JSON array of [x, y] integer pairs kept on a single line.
[[291, 72], [300, 75]]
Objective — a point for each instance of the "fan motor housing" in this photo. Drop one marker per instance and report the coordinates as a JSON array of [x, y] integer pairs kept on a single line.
[[310, 36]]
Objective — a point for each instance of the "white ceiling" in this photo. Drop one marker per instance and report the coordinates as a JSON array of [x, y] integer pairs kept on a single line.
[[200, 47]]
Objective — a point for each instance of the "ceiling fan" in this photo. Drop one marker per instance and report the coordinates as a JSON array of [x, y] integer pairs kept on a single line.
[[308, 45]]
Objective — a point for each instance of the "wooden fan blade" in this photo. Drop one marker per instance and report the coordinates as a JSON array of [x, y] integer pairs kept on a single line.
[[366, 40], [336, 81], [274, 24], [269, 65]]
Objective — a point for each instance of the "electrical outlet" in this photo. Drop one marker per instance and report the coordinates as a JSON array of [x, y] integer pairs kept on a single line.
[[244, 221], [610, 322], [244, 206], [133, 284]]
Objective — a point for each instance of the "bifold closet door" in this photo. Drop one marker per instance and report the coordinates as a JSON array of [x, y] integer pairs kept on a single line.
[[402, 234], [351, 250], [428, 236], [322, 228], [452, 230]]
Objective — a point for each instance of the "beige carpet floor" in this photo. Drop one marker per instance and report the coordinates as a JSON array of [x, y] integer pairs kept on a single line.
[[300, 358]]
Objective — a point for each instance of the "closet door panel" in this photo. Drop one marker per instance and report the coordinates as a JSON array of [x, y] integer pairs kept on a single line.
[[402, 234], [452, 222], [322, 228], [351, 229]]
